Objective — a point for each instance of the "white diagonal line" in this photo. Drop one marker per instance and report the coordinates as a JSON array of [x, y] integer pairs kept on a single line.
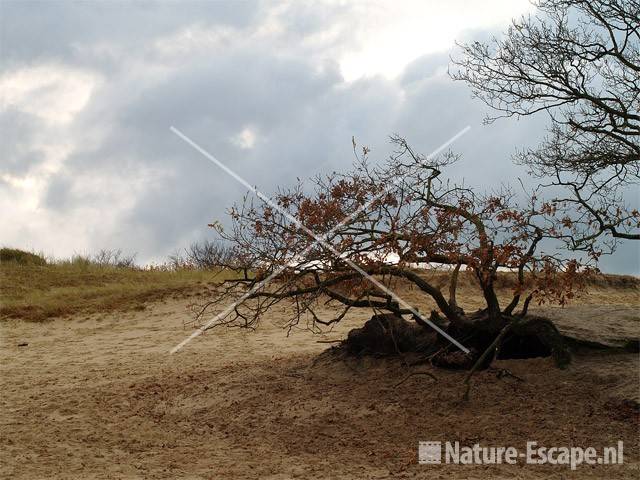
[[227, 310], [319, 240]]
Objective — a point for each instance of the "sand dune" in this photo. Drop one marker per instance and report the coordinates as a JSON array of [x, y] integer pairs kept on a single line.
[[99, 397]]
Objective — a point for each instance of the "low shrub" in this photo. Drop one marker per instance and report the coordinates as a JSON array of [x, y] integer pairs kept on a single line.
[[21, 257]]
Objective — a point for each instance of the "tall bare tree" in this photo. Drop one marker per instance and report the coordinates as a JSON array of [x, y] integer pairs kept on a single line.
[[578, 61]]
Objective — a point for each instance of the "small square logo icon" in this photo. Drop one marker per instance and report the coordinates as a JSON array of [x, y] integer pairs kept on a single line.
[[429, 453]]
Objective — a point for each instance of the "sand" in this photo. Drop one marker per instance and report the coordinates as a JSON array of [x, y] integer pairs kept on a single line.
[[100, 397]]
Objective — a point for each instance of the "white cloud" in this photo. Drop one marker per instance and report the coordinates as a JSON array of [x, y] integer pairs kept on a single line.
[[245, 139], [53, 93], [389, 35], [195, 39]]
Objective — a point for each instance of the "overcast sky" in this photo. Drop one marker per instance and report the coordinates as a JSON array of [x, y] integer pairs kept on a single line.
[[276, 90]]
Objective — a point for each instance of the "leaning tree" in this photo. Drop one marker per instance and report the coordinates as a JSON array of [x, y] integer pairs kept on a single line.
[[349, 239], [578, 61]]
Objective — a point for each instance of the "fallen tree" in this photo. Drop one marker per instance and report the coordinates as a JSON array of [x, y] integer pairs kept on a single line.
[[350, 242]]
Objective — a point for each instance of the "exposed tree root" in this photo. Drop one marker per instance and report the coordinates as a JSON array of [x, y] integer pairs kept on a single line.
[[508, 337], [389, 335], [490, 351]]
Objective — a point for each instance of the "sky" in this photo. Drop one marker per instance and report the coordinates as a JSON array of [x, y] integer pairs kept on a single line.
[[275, 90]]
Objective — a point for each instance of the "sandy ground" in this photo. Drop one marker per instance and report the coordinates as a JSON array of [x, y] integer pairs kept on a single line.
[[99, 397]]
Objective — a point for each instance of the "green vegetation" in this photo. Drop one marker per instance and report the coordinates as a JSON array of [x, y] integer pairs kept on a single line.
[[33, 289], [20, 257]]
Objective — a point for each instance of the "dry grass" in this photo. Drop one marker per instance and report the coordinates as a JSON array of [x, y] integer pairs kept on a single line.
[[41, 292], [36, 292]]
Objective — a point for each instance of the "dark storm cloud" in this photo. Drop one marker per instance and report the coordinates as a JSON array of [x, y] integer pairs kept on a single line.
[[303, 120], [424, 67], [43, 30]]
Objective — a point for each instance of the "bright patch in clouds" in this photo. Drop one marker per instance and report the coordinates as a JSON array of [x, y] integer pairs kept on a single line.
[[52, 93], [389, 35], [246, 139]]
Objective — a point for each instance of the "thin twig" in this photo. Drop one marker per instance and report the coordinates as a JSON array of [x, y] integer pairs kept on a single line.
[[503, 372], [415, 373]]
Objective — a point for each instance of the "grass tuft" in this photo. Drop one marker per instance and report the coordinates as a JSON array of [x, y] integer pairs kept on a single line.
[[37, 292]]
